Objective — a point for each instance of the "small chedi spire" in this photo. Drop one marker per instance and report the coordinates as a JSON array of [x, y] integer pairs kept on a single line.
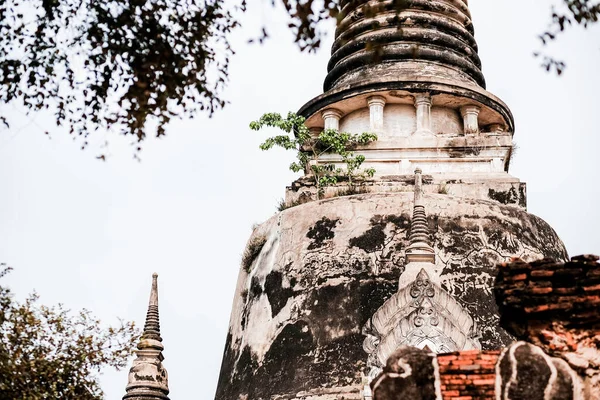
[[152, 325], [420, 249], [148, 379]]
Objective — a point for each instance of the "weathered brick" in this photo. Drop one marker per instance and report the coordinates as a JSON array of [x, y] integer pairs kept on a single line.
[[541, 290], [591, 288], [542, 273], [470, 367], [461, 362], [480, 382], [451, 393]]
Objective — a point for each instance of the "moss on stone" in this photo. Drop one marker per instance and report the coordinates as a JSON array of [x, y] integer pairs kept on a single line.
[[252, 251]]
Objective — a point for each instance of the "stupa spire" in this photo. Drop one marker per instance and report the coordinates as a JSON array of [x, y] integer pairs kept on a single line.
[[152, 325], [148, 379], [405, 38], [420, 249]]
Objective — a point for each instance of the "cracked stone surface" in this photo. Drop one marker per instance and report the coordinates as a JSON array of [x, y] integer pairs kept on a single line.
[[327, 266]]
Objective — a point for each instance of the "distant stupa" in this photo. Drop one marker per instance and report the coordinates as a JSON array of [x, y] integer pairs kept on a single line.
[[340, 283], [148, 379]]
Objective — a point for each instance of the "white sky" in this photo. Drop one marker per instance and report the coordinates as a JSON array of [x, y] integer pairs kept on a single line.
[[90, 234]]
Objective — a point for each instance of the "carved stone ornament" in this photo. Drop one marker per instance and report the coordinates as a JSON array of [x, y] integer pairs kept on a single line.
[[421, 315]]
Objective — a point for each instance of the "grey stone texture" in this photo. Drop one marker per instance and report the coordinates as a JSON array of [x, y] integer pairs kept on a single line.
[[327, 266], [409, 373]]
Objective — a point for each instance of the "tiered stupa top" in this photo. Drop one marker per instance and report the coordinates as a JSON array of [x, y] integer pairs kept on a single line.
[[425, 38], [393, 52]]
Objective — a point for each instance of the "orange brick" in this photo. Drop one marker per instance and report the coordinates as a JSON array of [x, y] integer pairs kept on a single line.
[[462, 362], [593, 299], [481, 382], [454, 393], [543, 307], [444, 357], [591, 288], [542, 273], [541, 290], [471, 367]]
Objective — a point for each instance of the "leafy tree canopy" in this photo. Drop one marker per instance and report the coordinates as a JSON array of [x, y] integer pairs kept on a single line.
[[51, 353], [130, 66]]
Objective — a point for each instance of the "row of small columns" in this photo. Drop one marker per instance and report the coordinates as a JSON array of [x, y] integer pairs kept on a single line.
[[470, 115]]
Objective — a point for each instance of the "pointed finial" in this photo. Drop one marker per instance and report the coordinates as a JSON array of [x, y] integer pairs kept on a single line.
[[152, 325], [148, 379], [420, 249]]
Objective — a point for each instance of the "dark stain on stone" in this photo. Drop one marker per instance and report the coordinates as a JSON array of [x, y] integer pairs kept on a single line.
[[287, 363], [504, 197], [227, 368], [533, 373], [321, 232], [278, 295], [401, 221], [284, 367], [372, 240], [330, 305], [522, 196], [340, 362], [411, 375], [464, 152], [144, 377], [255, 288]]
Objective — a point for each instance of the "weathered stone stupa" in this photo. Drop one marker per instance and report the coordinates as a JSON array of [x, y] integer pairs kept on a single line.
[[340, 283], [148, 379]]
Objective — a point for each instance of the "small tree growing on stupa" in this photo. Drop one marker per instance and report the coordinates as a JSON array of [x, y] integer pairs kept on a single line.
[[310, 149]]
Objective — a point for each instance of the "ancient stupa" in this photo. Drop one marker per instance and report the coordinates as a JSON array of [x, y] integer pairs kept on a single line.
[[148, 379], [340, 283]]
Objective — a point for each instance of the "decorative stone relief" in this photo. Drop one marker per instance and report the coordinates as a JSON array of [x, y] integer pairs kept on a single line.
[[421, 315]]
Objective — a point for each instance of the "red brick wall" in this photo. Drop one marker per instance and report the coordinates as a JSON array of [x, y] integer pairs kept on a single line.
[[468, 375]]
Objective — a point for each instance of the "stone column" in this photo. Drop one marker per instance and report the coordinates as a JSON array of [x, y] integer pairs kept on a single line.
[[496, 128], [331, 116], [376, 104], [315, 131], [470, 116], [423, 106]]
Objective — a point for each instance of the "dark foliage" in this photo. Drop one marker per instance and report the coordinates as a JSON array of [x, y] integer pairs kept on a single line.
[[572, 12], [119, 65], [51, 353]]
